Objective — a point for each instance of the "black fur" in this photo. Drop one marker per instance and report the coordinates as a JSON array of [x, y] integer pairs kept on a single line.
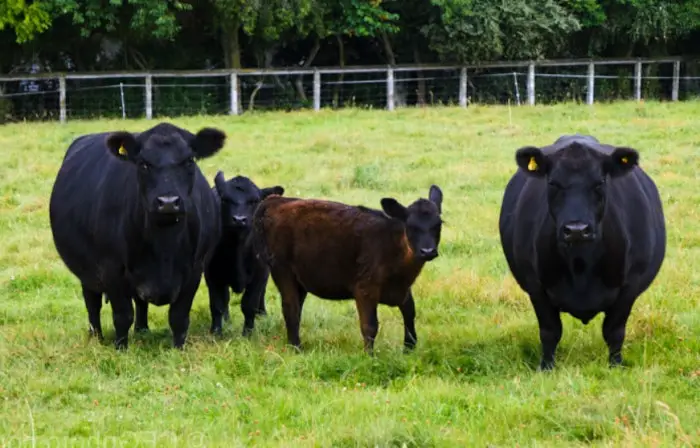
[[132, 217], [234, 264], [582, 229]]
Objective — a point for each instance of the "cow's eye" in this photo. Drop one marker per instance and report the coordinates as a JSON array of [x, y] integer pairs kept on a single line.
[[144, 166], [189, 162], [556, 185]]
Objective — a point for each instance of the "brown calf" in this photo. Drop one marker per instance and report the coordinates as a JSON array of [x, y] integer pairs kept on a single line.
[[339, 252]]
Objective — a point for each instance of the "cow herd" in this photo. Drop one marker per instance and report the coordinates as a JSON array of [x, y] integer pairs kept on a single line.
[[134, 219]]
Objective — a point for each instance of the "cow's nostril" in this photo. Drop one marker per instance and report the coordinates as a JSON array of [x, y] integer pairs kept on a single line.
[[168, 204]]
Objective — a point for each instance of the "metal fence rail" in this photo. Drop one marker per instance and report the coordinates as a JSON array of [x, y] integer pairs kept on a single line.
[[171, 93]]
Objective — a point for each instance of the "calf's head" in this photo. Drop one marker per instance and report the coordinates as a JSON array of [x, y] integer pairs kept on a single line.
[[422, 221], [577, 177], [239, 199], [164, 157]]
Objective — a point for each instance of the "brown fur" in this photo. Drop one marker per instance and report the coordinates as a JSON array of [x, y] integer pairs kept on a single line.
[[338, 252]]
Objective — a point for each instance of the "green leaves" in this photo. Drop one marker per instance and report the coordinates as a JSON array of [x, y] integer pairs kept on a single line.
[[27, 20]]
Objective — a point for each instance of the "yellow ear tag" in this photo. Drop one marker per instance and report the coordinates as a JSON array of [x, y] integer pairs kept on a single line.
[[122, 151], [532, 166], [624, 160]]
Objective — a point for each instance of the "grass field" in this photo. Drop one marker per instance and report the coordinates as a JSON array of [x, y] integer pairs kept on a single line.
[[472, 379]]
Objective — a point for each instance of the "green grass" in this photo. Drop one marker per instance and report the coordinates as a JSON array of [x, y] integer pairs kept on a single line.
[[472, 379]]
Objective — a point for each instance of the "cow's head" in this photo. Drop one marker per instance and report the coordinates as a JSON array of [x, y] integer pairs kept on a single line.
[[164, 157], [577, 177], [422, 220], [239, 199]]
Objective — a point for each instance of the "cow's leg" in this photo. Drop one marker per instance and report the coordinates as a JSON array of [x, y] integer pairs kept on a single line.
[[289, 291], [366, 303], [123, 318], [141, 325], [614, 326], [408, 311], [549, 319], [93, 303], [219, 296], [179, 312]]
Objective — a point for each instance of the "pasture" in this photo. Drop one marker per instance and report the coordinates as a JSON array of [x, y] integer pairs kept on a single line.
[[472, 380]]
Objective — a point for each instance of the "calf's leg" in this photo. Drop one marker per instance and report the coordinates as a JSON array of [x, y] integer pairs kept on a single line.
[[369, 323], [408, 311], [549, 319], [219, 297], [141, 325], [261, 310], [93, 303], [253, 297], [291, 308]]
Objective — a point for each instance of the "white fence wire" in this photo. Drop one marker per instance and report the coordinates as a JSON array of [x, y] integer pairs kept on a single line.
[[157, 94]]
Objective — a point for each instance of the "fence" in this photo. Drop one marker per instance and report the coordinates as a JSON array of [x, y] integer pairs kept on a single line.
[[157, 94]]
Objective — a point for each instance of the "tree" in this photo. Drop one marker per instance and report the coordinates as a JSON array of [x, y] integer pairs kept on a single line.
[[27, 20], [478, 30]]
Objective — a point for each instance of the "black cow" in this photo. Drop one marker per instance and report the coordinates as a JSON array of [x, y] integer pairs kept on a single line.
[[583, 231], [234, 264], [132, 216]]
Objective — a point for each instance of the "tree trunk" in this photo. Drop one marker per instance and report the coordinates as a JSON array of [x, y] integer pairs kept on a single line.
[[390, 58], [231, 46], [341, 63], [307, 63], [421, 82]]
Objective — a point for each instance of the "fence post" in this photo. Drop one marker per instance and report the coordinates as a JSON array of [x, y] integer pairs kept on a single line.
[[234, 93], [149, 97], [463, 87], [676, 80], [638, 81], [591, 83], [531, 84], [317, 90], [390, 88], [62, 98]]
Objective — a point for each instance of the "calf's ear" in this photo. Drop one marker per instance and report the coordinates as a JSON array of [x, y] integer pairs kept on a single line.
[[435, 197], [393, 208], [531, 160], [207, 142], [220, 183], [277, 189], [621, 161], [123, 145]]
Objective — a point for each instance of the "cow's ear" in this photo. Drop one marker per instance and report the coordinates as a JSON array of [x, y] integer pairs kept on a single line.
[[207, 142], [393, 208], [621, 161], [277, 189], [531, 160], [123, 145], [435, 196], [220, 183]]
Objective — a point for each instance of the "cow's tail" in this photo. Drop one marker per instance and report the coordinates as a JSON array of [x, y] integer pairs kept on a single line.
[[258, 238]]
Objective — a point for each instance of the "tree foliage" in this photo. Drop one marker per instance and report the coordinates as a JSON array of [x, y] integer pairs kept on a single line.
[[237, 32]]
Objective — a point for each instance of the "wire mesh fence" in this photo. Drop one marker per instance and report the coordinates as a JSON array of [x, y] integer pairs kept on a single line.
[[167, 94]]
